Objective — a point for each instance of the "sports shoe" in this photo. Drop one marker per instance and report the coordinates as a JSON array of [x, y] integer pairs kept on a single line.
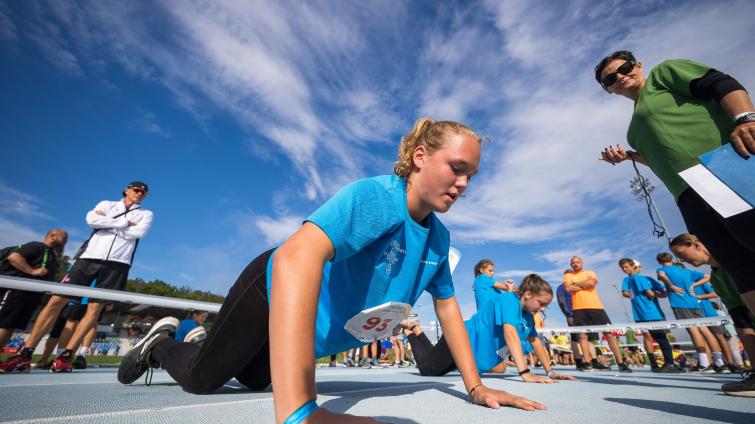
[[736, 369], [137, 361], [365, 363], [410, 322], [707, 370], [623, 367], [196, 335], [744, 388], [62, 364], [586, 368], [721, 370], [16, 363], [666, 369], [80, 363], [600, 367]]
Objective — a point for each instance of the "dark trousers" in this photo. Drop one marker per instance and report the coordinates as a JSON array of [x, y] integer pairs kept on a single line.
[[432, 360], [730, 240], [236, 346], [660, 337]]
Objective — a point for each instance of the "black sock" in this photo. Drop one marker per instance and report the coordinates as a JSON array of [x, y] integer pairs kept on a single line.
[[26, 352], [66, 354]]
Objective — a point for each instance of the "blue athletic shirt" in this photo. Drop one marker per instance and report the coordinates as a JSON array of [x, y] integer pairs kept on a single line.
[[643, 308], [706, 308], [381, 255], [485, 328], [682, 278], [184, 328], [484, 290]]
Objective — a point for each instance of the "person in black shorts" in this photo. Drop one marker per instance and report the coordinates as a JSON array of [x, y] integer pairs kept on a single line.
[[36, 260], [117, 227]]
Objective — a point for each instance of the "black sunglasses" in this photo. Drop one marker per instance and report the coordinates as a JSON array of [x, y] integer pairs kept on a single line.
[[611, 78], [138, 190]]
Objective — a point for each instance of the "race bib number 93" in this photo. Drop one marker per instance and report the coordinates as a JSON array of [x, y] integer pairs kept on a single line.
[[377, 323]]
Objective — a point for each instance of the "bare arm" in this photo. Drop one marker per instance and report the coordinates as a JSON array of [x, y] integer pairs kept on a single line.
[[626, 294], [18, 261], [544, 357], [587, 283], [457, 338], [293, 309], [699, 282], [507, 286], [664, 278]]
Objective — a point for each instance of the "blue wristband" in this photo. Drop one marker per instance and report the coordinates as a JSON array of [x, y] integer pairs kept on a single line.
[[302, 413]]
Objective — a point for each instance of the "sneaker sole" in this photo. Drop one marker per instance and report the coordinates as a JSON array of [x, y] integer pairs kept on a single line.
[[167, 323], [746, 393]]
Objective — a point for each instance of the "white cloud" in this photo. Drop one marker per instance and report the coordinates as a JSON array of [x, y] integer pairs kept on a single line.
[[276, 231]]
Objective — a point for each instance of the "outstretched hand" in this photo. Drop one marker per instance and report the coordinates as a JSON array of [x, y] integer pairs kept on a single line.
[[496, 398]]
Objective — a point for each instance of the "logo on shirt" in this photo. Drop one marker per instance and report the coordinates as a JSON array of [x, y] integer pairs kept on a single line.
[[392, 255]]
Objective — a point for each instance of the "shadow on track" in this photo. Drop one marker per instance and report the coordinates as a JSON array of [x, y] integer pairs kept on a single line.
[[688, 410]]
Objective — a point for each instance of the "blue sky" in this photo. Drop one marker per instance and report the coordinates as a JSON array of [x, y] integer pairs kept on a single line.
[[244, 116]]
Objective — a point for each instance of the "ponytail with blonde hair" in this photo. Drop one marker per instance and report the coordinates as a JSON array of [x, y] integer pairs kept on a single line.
[[430, 134]]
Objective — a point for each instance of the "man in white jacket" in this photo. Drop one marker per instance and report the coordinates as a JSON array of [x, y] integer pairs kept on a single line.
[[105, 258]]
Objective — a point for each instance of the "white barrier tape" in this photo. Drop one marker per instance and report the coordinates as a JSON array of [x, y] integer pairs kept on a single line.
[[105, 294], [641, 326]]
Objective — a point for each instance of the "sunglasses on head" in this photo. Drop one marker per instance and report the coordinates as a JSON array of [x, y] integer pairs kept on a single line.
[[611, 78]]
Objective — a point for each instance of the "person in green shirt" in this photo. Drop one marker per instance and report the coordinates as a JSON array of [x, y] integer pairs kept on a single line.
[[683, 109]]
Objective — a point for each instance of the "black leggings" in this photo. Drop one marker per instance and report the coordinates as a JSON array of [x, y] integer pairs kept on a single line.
[[662, 340], [432, 360], [730, 240], [236, 346]]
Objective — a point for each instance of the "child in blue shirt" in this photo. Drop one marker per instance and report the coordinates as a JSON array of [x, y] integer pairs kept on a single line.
[[504, 322], [679, 280], [347, 277], [485, 285], [644, 292]]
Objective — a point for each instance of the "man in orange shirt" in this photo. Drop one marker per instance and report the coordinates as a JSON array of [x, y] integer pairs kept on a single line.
[[588, 310]]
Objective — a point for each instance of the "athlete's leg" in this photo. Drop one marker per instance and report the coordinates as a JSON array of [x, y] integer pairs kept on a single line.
[[46, 319], [238, 336], [86, 324], [432, 360]]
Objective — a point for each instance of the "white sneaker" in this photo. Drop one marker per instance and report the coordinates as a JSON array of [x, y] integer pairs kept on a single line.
[[196, 335]]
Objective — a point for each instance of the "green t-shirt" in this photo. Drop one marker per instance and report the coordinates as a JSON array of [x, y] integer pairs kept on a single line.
[[725, 288], [670, 128], [727, 291]]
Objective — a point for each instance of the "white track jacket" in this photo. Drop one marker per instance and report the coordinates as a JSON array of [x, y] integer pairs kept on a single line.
[[114, 239]]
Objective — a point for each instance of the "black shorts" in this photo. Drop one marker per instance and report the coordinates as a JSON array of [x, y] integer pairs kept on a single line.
[[687, 313], [741, 317], [591, 317], [730, 240], [107, 274], [716, 329], [17, 307]]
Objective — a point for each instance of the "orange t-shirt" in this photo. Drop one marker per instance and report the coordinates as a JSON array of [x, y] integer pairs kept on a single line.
[[539, 321], [585, 298]]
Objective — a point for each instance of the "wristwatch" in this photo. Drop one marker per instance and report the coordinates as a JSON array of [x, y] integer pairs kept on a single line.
[[744, 117]]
